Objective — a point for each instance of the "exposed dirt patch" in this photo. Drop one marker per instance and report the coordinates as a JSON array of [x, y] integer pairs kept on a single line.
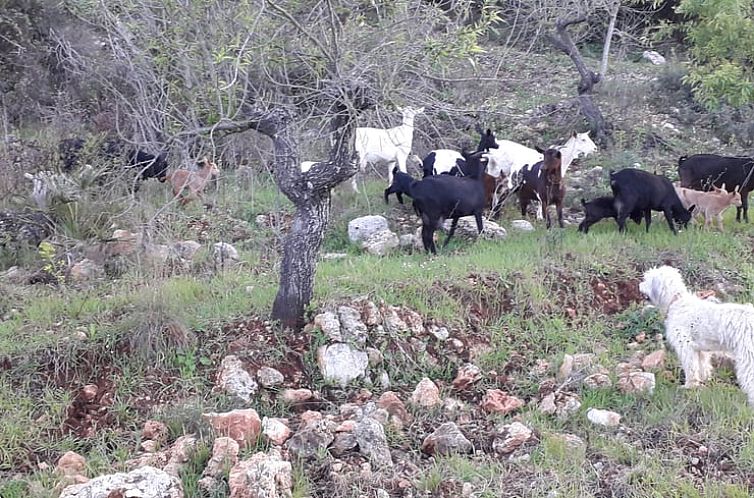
[[90, 409], [615, 296], [258, 344], [486, 296]]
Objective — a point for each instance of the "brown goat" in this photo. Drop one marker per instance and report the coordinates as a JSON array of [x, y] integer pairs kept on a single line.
[[543, 182], [188, 185]]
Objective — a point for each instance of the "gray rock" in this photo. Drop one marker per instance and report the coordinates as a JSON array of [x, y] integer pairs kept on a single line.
[[510, 437], [344, 442], [380, 243], [340, 363], [264, 475], [360, 229], [224, 254], [373, 443], [145, 482], [445, 440], [187, 249], [522, 226], [467, 229], [352, 329], [234, 379], [329, 324], [407, 240], [311, 441], [269, 377]]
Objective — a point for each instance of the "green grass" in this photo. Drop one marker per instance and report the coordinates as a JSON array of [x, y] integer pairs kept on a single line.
[[527, 280]]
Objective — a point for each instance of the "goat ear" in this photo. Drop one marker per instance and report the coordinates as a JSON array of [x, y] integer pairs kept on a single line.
[[574, 134], [735, 190], [583, 202], [539, 149], [691, 208]]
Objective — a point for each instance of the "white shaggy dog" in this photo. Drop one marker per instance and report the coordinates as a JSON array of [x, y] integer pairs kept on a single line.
[[698, 328]]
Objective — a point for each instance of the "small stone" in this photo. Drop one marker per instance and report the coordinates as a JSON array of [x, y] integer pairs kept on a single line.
[[344, 442], [522, 226], [510, 437], [224, 254], [89, 392], [224, 457], [381, 243], [497, 401], [467, 375], [234, 379], [373, 443], [312, 440], [187, 249], [597, 380], [426, 394], [144, 482], [293, 396], [155, 430], [352, 329], [361, 229], [85, 271], [340, 363], [329, 324], [149, 446], [375, 357], [71, 464], [603, 417], [392, 403], [640, 337], [243, 426], [269, 377], [571, 441], [654, 361], [637, 382], [276, 430], [447, 439], [439, 333], [263, 475]]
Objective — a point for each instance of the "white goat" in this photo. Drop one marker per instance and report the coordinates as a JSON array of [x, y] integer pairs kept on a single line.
[[386, 146], [510, 157]]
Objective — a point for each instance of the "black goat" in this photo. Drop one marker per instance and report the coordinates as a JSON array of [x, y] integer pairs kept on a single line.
[[600, 208], [402, 184], [148, 166], [635, 189], [442, 161], [703, 171], [440, 197]]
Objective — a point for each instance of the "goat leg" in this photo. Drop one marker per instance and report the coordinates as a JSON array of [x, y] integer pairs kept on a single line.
[[428, 237], [453, 226], [479, 222], [669, 218]]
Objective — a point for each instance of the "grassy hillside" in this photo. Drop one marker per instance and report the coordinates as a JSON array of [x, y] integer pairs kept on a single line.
[[152, 339]]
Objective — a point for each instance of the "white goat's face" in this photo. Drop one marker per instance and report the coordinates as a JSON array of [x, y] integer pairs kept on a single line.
[[410, 112], [581, 144]]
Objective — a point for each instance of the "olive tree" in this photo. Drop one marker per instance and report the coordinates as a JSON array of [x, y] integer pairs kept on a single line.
[[182, 69]]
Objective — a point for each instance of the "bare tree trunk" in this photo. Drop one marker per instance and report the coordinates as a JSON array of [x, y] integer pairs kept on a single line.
[[609, 37], [562, 41], [299, 263]]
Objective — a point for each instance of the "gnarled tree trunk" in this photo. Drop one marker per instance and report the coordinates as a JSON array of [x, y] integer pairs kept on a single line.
[[588, 78], [310, 194]]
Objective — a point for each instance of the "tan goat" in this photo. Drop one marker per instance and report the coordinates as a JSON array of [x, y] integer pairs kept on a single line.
[[712, 204], [189, 185]]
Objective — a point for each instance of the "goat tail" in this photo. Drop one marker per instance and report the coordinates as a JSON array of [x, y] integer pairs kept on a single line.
[[681, 160], [583, 202]]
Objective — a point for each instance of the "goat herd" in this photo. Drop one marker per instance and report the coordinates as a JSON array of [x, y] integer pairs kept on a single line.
[[456, 184]]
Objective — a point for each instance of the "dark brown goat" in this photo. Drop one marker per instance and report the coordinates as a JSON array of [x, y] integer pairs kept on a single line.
[[543, 182]]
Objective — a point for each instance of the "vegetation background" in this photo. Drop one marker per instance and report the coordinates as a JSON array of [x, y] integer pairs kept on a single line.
[[220, 78]]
